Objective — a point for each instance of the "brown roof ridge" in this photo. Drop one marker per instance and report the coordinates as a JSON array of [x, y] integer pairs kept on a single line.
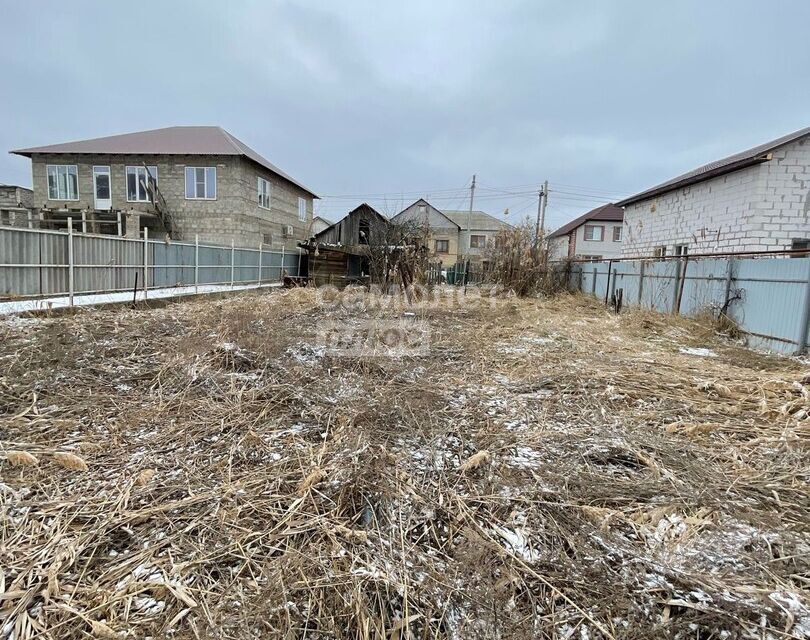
[[607, 212]]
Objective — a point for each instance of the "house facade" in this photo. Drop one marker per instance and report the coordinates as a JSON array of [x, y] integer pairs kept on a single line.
[[181, 181], [448, 238], [16, 205], [595, 235], [756, 200]]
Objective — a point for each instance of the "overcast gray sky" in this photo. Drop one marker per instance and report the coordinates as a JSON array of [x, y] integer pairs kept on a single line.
[[385, 102]]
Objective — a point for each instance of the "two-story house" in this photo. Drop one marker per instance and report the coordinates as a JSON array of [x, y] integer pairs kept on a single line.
[[595, 235], [183, 181], [453, 235]]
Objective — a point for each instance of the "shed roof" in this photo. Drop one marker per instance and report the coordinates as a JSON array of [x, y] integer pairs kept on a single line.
[[607, 212], [186, 140], [740, 160]]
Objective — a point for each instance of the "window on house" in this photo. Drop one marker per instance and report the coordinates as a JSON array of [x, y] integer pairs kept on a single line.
[[617, 234], [264, 193], [478, 242], [591, 258], [201, 183], [267, 238], [5, 218], [139, 183], [594, 232], [800, 244], [681, 249], [442, 246], [422, 210], [364, 232], [302, 209], [660, 252], [63, 182]]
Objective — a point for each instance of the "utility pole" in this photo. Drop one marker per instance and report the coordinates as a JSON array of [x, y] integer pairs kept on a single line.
[[469, 237], [542, 201]]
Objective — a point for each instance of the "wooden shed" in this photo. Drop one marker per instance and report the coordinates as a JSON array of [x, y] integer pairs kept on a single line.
[[339, 255]]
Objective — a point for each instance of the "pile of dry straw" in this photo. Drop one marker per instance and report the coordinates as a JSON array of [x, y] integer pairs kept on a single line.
[[544, 469]]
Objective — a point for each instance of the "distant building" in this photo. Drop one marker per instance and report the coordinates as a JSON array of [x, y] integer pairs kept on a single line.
[[319, 224], [596, 235], [16, 205], [755, 200], [448, 238], [184, 181]]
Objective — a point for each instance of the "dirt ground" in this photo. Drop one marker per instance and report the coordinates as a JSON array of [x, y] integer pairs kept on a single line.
[[530, 468]]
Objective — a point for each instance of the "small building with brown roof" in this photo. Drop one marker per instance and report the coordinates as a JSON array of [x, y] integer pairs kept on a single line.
[[595, 235], [181, 181]]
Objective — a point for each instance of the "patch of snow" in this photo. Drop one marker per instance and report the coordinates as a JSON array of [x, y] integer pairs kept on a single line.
[[81, 300], [701, 352]]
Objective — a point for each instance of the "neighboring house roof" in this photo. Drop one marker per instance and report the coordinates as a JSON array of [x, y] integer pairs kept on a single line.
[[368, 209], [14, 186], [754, 155], [607, 213], [409, 212], [478, 220], [182, 141], [324, 220]]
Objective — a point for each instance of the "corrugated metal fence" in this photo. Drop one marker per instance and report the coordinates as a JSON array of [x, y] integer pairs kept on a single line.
[[34, 262], [769, 298]]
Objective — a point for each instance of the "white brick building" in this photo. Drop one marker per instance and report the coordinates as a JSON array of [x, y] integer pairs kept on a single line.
[[756, 200], [596, 235]]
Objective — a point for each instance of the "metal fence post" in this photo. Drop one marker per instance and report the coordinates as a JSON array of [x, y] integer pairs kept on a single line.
[[145, 262], [281, 268], [299, 263], [801, 339], [641, 281], [196, 263], [260, 264], [70, 261], [232, 262]]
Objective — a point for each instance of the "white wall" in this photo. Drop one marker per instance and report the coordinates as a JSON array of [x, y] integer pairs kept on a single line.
[[758, 208], [558, 248], [607, 248]]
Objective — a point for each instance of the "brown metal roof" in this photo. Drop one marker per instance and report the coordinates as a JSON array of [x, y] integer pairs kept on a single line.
[[740, 160], [190, 141], [607, 212]]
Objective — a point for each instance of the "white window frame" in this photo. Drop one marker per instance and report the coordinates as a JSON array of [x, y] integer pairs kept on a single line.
[[205, 183], [138, 169], [263, 192], [594, 226], [67, 167], [619, 229], [302, 209]]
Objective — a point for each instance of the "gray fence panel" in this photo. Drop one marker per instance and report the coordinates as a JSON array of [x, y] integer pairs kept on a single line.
[[18, 246], [704, 287], [768, 295], [772, 299], [215, 265], [625, 276], [173, 264], [658, 290], [246, 265], [105, 264]]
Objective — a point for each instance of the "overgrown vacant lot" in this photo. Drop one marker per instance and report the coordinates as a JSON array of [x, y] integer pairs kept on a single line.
[[544, 469]]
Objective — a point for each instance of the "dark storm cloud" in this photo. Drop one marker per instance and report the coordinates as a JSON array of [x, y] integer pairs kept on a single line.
[[377, 98]]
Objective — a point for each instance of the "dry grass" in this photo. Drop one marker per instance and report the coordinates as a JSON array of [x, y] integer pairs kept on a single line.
[[546, 469]]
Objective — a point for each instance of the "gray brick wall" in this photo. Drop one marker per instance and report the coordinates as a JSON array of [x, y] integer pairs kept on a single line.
[[234, 214], [759, 208]]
